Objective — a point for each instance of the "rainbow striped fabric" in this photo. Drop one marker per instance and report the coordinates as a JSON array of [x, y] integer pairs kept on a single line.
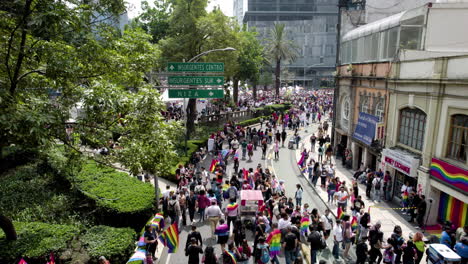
[[231, 256], [305, 222], [274, 240], [213, 164], [158, 221], [340, 214], [232, 206], [222, 230], [354, 223], [170, 238]]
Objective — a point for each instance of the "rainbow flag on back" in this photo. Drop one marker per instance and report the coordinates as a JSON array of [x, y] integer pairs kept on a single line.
[[158, 221], [232, 206], [245, 174], [354, 223], [214, 162], [305, 222], [170, 238], [231, 256], [340, 214], [274, 240], [404, 196]]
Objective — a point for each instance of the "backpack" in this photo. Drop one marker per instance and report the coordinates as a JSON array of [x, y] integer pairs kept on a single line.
[[265, 255], [232, 193], [171, 208], [377, 184]]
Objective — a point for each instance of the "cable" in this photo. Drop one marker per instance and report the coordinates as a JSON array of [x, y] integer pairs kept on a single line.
[[396, 4]]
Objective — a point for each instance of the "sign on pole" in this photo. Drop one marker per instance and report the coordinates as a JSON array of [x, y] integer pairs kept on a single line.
[[195, 80], [193, 93], [195, 67]]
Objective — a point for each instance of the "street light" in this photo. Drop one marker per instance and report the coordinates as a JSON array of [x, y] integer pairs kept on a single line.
[[191, 87], [209, 51]]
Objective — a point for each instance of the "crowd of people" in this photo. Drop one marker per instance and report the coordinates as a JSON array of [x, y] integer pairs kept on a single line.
[[283, 223]]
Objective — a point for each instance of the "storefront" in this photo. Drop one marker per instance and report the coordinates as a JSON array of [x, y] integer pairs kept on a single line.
[[452, 184], [404, 166]]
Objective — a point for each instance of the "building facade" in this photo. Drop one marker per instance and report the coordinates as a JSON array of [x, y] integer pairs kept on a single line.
[[403, 101], [311, 24]]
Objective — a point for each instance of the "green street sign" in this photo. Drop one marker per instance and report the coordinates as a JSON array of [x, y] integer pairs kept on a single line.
[[195, 67], [192, 93], [196, 80]]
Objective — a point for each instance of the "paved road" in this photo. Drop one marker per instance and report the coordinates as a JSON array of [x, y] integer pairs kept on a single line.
[[285, 168]]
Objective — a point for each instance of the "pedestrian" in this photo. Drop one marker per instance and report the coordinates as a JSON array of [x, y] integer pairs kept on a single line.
[[283, 137], [194, 234], [192, 204], [361, 251], [317, 173], [369, 181], [298, 194], [193, 252], [151, 240], [263, 252], [244, 148], [375, 241], [250, 148], [203, 203], [209, 257], [214, 213], [276, 149], [342, 198], [419, 245], [245, 252], [290, 244], [231, 255], [387, 189], [264, 148], [388, 255], [315, 243], [331, 189], [326, 224], [337, 239], [298, 139], [409, 253], [397, 242], [358, 205], [347, 236], [377, 183], [222, 231], [313, 139], [421, 211], [320, 154], [232, 211], [461, 248], [238, 232]]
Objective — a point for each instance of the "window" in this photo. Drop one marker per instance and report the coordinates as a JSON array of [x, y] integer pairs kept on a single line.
[[457, 145], [346, 109], [412, 127], [379, 110], [364, 104]]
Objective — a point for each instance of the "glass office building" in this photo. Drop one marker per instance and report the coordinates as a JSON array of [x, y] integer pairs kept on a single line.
[[311, 24]]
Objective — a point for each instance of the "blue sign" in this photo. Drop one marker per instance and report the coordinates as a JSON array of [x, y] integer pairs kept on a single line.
[[365, 128]]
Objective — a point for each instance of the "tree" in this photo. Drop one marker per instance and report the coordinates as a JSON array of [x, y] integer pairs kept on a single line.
[[64, 48], [280, 49], [154, 20], [251, 59]]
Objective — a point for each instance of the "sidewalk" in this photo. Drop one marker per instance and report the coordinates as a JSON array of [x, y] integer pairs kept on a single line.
[[379, 211]]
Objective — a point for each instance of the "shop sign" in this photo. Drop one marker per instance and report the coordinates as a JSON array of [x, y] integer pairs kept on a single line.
[[449, 174], [365, 128], [401, 161]]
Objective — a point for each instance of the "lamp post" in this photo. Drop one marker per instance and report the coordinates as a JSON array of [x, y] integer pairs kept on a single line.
[[191, 106]]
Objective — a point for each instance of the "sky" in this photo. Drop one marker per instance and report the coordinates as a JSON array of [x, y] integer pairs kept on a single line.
[[225, 5]]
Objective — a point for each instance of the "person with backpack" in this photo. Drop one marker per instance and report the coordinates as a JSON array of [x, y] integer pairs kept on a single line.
[[262, 252], [194, 234], [173, 210], [375, 241], [397, 243], [361, 251], [193, 252], [377, 183], [232, 211], [290, 243], [316, 243]]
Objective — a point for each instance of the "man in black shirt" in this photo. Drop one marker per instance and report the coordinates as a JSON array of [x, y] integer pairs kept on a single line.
[[422, 206], [194, 234], [361, 251], [193, 252], [191, 205], [283, 137], [315, 243], [290, 243]]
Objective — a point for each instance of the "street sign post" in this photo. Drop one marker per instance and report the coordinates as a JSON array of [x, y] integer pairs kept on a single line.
[[192, 93], [195, 80], [195, 67]]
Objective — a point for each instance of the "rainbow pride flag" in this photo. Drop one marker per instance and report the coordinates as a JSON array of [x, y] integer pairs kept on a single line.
[[451, 209], [231, 256], [158, 221], [274, 240], [232, 206], [354, 223], [170, 238], [214, 162], [305, 222], [339, 214]]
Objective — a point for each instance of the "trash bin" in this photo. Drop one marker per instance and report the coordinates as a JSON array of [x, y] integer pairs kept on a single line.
[[441, 254]]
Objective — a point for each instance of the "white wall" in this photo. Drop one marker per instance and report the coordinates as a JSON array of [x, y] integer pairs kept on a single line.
[[447, 29]]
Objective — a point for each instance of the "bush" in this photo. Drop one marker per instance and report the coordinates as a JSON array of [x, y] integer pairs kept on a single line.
[[27, 195], [252, 121], [36, 240], [117, 244], [113, 190], [192, 147]]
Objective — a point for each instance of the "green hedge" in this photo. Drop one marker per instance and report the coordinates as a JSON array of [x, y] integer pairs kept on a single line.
[[36, 240], [252, 121], [269, 109], [113, 190], [192, 147], [117, 244]]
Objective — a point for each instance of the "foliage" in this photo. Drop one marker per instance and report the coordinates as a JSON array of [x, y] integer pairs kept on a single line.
[[251, 57], [252, 121], [36, 240], [280, 48], [22, 201], [112, 190], [114, 243], [154, 19]]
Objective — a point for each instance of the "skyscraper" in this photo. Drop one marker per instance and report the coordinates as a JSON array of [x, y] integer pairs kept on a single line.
[[311, 24]]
